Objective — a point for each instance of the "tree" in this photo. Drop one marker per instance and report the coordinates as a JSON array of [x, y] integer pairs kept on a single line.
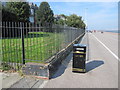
[[16, 12], [45, 14], [61, 22], [83, 25], [75, 21], [8, 16], [63, 15], [72, 21], [20, 9], [61, 19]]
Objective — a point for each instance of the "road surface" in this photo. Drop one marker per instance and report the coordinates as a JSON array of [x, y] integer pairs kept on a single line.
[[101, 65]]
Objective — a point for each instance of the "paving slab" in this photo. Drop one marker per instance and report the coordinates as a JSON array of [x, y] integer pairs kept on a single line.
[[101, 66], [9, 79]]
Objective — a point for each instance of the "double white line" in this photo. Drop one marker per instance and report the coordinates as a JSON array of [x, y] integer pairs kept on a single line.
[[106, 48]]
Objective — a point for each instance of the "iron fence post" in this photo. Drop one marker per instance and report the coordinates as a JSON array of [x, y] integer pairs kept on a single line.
[[23, 49]]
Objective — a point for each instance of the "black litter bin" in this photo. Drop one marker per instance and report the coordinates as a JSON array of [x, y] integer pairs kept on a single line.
[[79, 58]]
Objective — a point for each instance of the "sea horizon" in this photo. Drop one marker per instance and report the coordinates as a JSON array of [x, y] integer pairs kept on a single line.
[[114, 31]]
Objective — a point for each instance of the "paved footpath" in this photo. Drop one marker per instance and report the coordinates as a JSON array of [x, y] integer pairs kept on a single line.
[[101, 65]]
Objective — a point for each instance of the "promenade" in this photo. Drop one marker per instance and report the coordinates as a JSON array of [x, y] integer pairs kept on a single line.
[[101, 65]]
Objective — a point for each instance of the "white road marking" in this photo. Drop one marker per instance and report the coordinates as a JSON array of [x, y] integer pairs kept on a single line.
[[107, 48], [43, 84]]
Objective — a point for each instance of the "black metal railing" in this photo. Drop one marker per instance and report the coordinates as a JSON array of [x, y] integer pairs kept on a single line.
[[26, 42]]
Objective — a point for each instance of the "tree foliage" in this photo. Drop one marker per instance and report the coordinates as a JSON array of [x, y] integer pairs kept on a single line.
[[15, 12], [60, 22], [72, 21], [45, 14], [8, 16], [18, 9], [63, 15], [75, 21]]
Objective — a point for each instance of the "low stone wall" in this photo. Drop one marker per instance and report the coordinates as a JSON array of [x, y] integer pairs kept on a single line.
[[46, 71]]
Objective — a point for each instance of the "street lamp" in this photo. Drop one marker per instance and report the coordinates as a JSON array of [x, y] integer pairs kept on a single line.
[[86, 18]]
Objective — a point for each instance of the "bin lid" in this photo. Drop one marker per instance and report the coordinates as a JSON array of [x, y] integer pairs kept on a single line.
[[79, 45]]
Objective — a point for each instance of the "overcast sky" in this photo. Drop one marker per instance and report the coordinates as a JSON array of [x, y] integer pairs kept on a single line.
[[97, 15]]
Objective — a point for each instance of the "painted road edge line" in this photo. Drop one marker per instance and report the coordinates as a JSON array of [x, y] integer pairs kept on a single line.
[[106, 48], [43, 84]]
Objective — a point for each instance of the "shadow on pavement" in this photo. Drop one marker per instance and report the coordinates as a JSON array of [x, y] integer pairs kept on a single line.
[[93, 64], [63, 66], [67, 63]]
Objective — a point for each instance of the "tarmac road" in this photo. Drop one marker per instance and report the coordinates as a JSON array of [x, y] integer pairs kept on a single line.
[[101, 65]]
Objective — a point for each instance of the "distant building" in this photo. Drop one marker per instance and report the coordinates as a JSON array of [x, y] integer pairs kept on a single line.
[[57, 17], [33, 8]]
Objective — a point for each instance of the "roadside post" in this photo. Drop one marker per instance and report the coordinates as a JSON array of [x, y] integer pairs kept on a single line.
[[79, 58]]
